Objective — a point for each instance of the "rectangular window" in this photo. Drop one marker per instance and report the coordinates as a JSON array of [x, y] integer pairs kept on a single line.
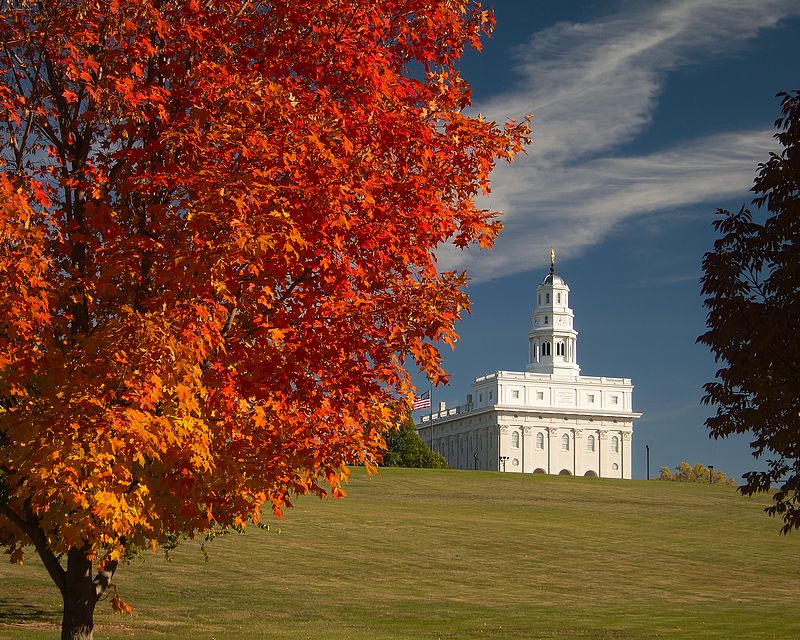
[[614, 399], [540, 395], [490, 395], [515, 395], [480, 397], [590, 397]]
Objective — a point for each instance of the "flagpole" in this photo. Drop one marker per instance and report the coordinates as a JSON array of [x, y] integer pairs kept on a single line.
[[430, 409]]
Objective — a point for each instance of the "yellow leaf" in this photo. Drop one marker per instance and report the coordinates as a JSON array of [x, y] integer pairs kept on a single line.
[[120, 606]]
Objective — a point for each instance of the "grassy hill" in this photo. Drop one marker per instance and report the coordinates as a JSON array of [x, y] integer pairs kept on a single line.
[[455, 554]]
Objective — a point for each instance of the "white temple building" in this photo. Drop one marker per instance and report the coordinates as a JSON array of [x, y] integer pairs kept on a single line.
[[546, 419]]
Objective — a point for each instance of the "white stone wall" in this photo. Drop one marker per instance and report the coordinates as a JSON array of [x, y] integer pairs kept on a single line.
[[460, 436], [522, 389]]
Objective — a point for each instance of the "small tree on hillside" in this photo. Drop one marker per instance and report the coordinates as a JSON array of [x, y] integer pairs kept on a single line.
[[686, 472], [405, 448], [752, 285]]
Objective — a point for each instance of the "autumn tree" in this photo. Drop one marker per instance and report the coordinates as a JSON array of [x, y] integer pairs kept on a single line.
[[686, 472], [218, 231], [752, 285], [405, 448]]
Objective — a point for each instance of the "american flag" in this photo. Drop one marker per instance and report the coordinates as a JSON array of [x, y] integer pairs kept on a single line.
[[423, 401]]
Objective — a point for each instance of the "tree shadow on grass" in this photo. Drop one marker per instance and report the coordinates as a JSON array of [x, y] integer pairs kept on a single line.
[[15, 612]]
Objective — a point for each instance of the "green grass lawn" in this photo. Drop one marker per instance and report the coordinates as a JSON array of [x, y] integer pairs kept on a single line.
[[458, 554]]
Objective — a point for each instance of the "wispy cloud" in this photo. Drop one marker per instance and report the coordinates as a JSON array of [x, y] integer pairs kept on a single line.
[[662, 281], [593, 87]]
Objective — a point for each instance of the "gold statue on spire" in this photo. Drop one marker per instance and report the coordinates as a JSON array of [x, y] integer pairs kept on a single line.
[[552, 260]]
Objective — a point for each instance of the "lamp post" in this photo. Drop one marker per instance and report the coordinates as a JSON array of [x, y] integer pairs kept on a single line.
[[475, 456], [503, 461], [647, 446], [711, 474]]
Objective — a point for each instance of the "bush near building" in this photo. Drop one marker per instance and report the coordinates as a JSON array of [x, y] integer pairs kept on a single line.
[[404, 448], [685, 472]]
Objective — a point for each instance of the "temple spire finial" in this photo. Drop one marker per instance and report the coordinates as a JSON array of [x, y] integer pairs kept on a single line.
[[552, 261]]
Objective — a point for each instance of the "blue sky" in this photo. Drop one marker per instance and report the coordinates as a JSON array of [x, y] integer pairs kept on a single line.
[[648, 116]]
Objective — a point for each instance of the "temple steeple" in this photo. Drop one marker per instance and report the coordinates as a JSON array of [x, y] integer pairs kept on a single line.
[[552, 340]]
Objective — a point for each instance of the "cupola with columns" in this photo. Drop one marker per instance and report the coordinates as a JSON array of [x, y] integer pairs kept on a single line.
[[552, 340]]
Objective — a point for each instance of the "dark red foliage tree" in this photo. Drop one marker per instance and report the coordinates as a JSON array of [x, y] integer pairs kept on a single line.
[[752, 288]]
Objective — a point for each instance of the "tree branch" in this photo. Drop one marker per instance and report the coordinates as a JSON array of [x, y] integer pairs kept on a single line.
[[31, 528], [104, 577]]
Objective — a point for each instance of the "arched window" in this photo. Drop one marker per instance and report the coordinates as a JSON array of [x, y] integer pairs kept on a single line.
[[565, 442], [545, 348], [539, 299], [540, 441], [590, 443], [615, 445], [547, 298], [559, 348], [558, 298], [515, 440], [545, 319]]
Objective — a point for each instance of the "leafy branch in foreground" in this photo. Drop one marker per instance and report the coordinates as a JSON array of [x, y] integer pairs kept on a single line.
[[752, 286]]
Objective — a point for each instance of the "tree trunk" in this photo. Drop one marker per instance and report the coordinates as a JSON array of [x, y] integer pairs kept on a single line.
[[79, 591], [80, 595]]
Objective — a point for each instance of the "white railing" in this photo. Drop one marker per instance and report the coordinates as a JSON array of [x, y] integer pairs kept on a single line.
[[514, 375], [526, 375], [452, 411]]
